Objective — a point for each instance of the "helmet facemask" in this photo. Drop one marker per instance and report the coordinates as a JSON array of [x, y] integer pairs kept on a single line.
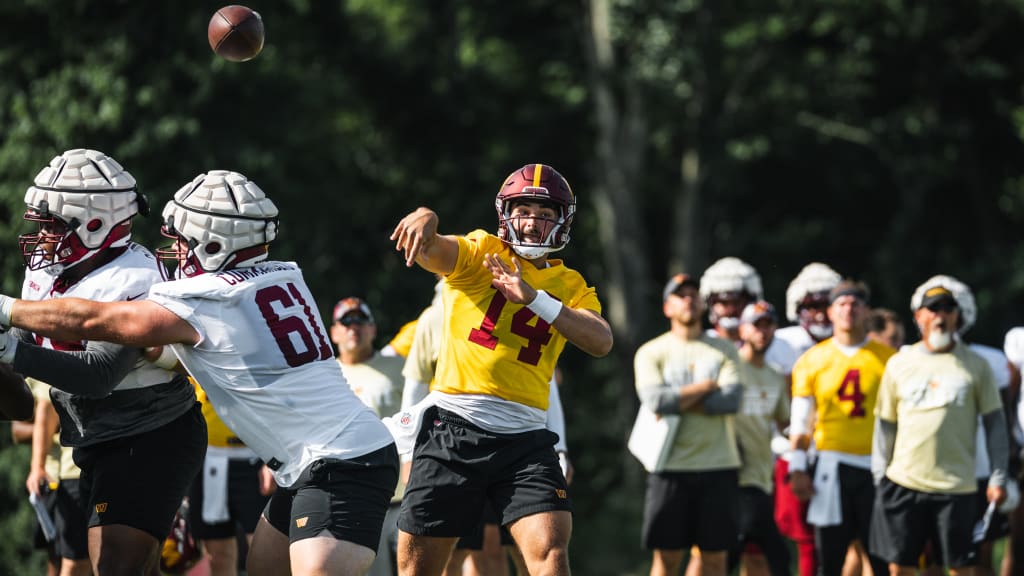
[[82, 204], [540, 184]]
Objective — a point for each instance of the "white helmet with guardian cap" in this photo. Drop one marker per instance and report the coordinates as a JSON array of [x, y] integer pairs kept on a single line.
[[221, 220], [730, 277], [83, 203], [810, 289]]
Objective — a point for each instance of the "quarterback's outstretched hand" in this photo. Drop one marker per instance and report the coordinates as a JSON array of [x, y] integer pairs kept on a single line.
[[415, 233], [509, 279]]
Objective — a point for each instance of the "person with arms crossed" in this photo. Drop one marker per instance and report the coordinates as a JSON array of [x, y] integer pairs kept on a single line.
[[136, 429], [376, 379], [249, 330], [923, 455], [688, 373], [835, 384], [509, 311]]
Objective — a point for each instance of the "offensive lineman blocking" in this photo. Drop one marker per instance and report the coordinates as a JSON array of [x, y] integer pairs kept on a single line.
[[249, 330]]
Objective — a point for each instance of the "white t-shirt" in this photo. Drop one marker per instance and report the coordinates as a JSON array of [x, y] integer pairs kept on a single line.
[[267, 366]]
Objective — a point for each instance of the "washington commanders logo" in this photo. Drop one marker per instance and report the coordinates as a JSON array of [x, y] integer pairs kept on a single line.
[[101, 507], [561, 493], [405, 419], [301, 522]]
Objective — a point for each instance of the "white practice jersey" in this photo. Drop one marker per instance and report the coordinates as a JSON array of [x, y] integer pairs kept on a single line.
[[147, 397], [266, 364], [779, 355], [127, 277], [797, 338], [1001, 373]]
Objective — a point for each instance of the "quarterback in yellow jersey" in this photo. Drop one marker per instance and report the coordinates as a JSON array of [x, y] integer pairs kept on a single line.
[[835, 385], [509, 311]]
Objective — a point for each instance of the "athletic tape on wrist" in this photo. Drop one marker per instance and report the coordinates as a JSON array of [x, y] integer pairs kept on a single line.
[[798, 461], [167, 360], [545, 306]]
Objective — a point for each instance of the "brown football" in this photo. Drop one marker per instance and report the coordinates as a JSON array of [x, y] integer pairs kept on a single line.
[[236, 33]]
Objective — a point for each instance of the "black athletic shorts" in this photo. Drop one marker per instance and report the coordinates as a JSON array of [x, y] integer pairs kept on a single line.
[[905, 519], [347, 498], [457, 466], [475, 539], [682, 509], [139, 480], [245, 502], [71, 522]]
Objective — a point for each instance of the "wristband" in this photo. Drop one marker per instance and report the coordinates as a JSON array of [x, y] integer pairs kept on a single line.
[[167, 360], [545, 306], [6, 306], [798, 461]]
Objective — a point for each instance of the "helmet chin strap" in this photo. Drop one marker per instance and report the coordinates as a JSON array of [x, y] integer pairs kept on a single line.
[[532, 252]]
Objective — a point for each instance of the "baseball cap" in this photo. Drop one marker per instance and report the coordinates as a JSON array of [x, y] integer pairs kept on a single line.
[[351, 304], [677, 282], [757, 310], [936, 295]]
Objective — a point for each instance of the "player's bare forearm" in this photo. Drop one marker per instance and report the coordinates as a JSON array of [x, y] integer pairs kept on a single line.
[[416, 236], [137, 323], [586, 329]]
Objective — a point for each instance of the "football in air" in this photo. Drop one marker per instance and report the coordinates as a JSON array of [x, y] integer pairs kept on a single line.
[[236, 33]]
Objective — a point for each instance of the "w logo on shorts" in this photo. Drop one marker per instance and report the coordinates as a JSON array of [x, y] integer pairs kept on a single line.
[[561, 493], [301, 522], [101, 507]]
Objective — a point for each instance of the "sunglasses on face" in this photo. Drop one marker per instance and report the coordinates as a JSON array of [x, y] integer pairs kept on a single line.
[[941, 307], [353, 319]]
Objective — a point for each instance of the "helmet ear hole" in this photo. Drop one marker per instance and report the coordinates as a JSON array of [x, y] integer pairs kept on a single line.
[[212, 248], [94, 225]]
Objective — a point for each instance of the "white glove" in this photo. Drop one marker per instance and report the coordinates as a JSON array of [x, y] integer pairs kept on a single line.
[[8, 346]]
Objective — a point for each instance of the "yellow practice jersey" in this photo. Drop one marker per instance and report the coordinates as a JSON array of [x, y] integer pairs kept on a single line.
[[844, 388], [402, 341], [217, 431], [492, 346]]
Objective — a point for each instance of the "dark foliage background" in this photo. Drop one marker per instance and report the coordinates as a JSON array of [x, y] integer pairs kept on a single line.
[[881, 137]]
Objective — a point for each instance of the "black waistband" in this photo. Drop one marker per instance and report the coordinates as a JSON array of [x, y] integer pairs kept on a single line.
[[453, 418]]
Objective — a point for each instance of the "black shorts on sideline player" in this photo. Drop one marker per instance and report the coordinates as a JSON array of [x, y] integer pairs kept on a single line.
[[139, 480], [904, 519], [347, 498], [682, 509], [244, 501], [457, 466]]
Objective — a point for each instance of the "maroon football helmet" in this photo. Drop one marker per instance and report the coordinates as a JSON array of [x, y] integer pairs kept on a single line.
[[537, 183]]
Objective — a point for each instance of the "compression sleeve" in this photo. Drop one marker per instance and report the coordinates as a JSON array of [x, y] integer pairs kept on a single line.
[[92, 373], [883, 442], [998, 443], [724, 400]]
